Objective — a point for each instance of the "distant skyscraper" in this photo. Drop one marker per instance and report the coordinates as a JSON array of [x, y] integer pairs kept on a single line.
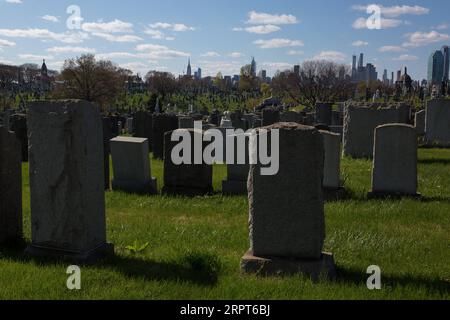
[[199, 74], [361, 61], [253, 69], [446, 53], [436, 68], [189, 69], [297, 70]]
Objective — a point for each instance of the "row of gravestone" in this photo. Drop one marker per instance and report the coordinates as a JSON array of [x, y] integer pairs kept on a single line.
[[287, 223]]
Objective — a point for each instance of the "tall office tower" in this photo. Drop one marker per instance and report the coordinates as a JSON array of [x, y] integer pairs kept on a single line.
[[436, 68]]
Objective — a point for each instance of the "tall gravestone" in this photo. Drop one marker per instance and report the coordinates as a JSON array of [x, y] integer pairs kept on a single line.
[[142, 125], [437, 125], [10, 187], [270, 116], [237, 171], [66, 181], [332, 164], [131, 165], [360, 122], [324, 113], [287, 221], [395, 161], [419, 121], [107, 135], [187, 179], [162, 123], [18, 125]]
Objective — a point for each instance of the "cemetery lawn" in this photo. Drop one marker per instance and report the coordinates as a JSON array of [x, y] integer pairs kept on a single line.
[[191, 248]]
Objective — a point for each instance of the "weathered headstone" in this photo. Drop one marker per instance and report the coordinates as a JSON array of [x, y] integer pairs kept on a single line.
[[337, 118], [360, 123], [66, 181], [186, 179], [291, 116], [287, 222], [270, 116], [143, 124], [107, 135], [18, 125], [324, 113], [131, 165], [437, 126], [162, 123], [332, 164], [129, 126], [214, 118], [395, 161], [419, 121], [236, 182], [10, 187]]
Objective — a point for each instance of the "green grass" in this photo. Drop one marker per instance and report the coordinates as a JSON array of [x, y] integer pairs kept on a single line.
[[195, 246]]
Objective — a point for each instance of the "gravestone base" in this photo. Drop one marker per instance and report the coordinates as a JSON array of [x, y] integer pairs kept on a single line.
[[101, 252], [394, 195], [148, 187], [333, 194], [272, 266], [230, 187], [187, 191]]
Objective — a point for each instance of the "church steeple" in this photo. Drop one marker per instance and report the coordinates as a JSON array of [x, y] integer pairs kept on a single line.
[[44, 68]]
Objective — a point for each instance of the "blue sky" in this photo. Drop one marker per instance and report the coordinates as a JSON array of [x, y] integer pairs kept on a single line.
[[222, 35]]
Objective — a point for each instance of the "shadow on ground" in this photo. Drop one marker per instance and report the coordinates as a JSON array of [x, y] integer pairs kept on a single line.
[[197, 268], [353, 276]]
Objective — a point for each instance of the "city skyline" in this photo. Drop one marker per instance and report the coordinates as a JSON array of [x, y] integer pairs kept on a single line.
[[222, 37]]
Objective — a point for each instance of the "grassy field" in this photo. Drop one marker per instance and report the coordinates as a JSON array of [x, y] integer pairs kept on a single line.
[[195, 246]]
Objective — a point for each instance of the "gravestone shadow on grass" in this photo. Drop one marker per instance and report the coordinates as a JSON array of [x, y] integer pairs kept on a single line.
[[197, 268], [359, 278]]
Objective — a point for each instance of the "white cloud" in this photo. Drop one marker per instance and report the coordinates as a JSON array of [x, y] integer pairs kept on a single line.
[[155, 52], [210, 54], [70, 49], [360, 43], [34, 57], [331, 55], [391, 49], [116, 38], [50, 18], [278, 43], [14, 1], [211, 68], [6, 43], [176, 27], [267, 18], [442, 26], [396, 11], [262, 29], [361, 23], [236, 55], [44, 34], [116, 26], [406, 57], [158, 35], [418, 39]]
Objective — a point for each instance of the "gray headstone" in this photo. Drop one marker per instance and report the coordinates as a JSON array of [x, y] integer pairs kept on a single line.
[[162, 123], [420, 122], [185, 122], [143, 124], [186, 179], [236, 182], [332, 165], [395, 160], [287, 209], [66, 181], [270, 116], [360, 122], [131, 165], [10, 187], [323, 113], [437, 125], [18, 124]]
